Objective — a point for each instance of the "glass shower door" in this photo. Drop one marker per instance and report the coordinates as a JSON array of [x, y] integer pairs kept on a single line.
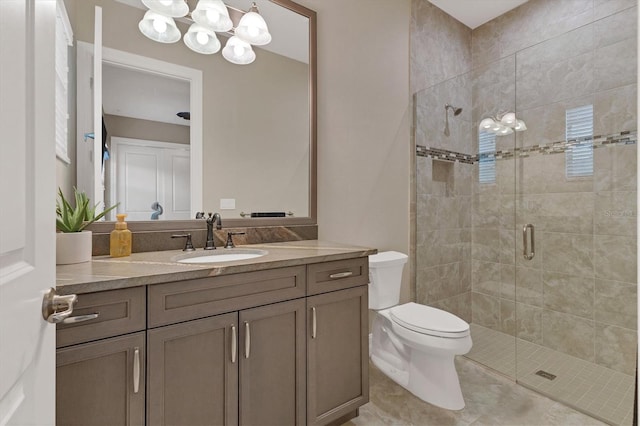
[[575, 224]]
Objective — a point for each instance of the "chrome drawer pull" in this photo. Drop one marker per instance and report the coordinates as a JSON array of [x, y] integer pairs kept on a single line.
[[136, 370], [340, 275], [80, 318], [234, 344], [314, 324], [247, 340]]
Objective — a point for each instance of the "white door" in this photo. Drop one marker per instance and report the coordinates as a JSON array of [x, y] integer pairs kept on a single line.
[[148, 174], [27, 218]]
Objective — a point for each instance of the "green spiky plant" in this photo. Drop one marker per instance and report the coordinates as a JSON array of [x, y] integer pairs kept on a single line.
[[70, 219]]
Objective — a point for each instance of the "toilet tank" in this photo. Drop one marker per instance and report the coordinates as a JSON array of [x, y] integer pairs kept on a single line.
[[385, 278]]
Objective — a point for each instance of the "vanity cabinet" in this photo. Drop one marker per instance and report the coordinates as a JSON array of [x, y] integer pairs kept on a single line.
[[283, 346]]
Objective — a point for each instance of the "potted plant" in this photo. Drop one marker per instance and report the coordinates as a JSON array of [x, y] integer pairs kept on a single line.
[[73, 243]]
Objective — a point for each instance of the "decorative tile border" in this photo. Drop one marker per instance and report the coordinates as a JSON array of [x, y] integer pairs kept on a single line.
[[622, 138], [443, 154]]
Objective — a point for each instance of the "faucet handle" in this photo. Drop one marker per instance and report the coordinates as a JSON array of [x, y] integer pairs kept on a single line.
[[188, 246], [229, 243]]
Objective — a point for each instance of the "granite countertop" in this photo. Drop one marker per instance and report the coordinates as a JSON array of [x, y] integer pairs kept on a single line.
[[107, 273]]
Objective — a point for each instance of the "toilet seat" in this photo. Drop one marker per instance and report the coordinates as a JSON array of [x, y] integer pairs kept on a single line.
[[427, 320]]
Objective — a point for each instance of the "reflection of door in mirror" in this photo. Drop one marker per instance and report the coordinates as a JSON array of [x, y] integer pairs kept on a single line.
[[150, 180], [141, 99]]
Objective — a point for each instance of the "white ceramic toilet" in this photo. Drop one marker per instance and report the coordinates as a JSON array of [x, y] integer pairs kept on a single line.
[[414, 344]]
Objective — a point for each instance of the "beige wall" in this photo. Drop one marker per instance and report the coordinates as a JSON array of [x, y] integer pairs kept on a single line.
[[363, 123]]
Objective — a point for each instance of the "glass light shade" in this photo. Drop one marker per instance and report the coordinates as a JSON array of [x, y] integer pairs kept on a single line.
[[212, 14], [509, 119], [487, 124], [201, 39], [238, 52], [253, 29], [503, 130], [520, 126], [172, 8], [159, 27]]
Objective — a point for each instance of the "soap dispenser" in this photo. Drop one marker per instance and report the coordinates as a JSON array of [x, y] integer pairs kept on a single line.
[[120, 241]]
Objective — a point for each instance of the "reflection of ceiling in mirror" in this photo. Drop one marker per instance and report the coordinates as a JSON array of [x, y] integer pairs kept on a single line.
[[289, 31], [136, 94]]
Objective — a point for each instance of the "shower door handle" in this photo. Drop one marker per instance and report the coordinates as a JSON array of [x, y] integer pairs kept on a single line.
[[528, 254]]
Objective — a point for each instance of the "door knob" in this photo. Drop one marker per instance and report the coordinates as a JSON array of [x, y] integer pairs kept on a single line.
[[55, 308]]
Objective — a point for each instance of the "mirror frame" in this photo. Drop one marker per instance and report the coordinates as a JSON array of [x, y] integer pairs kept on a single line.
[[172, 225]]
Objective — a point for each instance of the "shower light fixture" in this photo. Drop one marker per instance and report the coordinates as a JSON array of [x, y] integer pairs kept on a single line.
[[208, 17], [502, 124]]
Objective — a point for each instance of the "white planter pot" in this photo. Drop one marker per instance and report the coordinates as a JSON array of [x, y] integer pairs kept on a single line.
[[73, 247]]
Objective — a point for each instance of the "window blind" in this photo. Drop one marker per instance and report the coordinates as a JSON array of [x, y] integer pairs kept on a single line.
[[579, 137], [487, 159]]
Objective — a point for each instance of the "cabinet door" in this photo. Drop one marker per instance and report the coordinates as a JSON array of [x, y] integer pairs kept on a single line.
[[101, 383], [272, 367], [193, 373], [338, 353]]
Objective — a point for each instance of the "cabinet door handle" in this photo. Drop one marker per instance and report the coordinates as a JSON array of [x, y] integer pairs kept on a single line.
[[340, 275], [136, 370], [247, 340], [234, 344], [314, 324]]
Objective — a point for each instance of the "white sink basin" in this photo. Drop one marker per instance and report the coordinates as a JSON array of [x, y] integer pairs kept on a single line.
[[223, 255]]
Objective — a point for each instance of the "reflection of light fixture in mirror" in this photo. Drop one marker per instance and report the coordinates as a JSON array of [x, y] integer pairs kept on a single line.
[[159, 27], [252, 28], [212, 14], [172, 8], [208, 17], [238, 51], [503, 124], [201, 40]]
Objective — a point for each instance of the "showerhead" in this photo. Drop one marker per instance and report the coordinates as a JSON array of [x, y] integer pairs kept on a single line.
[[456, 110]]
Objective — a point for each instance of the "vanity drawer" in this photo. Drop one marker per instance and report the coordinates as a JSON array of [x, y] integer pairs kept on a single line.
[[331, 276], [186, 300], [119, 312]]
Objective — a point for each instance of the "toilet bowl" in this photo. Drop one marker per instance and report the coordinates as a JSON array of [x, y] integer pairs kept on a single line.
[[413, 344]]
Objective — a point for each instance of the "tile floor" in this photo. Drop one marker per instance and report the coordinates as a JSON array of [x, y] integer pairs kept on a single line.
[[491, 399], [601, 392]]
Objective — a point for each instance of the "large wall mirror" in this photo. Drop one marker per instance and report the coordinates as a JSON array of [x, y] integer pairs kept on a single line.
[[249, 145]]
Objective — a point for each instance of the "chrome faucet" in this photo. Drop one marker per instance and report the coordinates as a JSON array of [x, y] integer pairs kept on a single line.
[[213, 217]]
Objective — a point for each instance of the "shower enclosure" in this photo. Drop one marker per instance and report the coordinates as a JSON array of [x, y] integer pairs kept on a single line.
[[529, 232]]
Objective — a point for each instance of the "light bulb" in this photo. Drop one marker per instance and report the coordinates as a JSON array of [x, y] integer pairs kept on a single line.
[[238, 50], [202, 38], [159, 25], [213, 15]]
